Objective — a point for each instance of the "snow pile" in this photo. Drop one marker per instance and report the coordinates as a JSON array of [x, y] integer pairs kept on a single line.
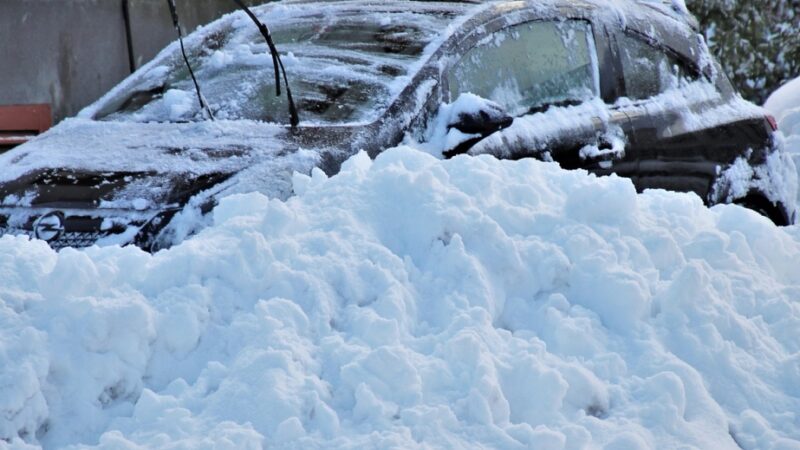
[[410, 302], [784, 104]]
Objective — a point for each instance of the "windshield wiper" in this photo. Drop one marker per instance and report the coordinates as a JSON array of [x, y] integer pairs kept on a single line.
[[174, 12], [276, 62]]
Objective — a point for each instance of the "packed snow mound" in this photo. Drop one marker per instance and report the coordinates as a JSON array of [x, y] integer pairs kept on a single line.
[[785, 100], [784, 104], [412, 302]]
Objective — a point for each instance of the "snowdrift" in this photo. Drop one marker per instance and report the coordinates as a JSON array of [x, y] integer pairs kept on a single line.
[[784, 104], [411, 302]]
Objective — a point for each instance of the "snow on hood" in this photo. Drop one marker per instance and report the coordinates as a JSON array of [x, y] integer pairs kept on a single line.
[[263, 156], [112, 146], [410, 301]]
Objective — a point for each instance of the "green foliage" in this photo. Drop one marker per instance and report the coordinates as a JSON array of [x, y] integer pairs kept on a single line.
[[756, 41]]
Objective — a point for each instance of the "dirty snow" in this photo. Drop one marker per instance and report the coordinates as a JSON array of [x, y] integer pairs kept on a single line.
[[413, 302]]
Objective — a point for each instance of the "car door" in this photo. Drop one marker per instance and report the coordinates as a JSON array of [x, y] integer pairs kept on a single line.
[[680, 144], [545, 74]]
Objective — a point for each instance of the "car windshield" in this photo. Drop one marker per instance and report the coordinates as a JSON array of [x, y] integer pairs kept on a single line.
[[344, 66]]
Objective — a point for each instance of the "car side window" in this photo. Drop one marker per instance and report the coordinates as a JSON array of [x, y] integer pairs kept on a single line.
[[530, 65], [648, 70]]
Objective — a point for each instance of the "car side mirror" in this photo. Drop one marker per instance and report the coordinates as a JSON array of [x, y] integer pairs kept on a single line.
[[487, 119], [479, 120]]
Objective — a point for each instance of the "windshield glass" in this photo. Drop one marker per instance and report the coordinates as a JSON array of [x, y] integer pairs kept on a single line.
[[529, 66], [344, 66]]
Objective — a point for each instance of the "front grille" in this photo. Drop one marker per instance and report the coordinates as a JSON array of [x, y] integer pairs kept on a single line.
[[81, 229], [77, 239]]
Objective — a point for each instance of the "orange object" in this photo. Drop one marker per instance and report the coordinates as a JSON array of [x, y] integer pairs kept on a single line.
[[20, 123]]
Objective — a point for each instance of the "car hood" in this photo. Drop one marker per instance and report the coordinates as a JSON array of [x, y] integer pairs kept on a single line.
[[87, 164], [72, 189]]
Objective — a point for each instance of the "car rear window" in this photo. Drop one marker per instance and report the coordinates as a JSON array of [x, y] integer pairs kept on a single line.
[[344, 66]]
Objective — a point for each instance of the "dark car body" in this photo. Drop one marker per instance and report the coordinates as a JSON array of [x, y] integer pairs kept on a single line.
[[142, 165]]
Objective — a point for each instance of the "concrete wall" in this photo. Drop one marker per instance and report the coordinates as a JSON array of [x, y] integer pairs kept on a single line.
[[69, 52], [151, 24]]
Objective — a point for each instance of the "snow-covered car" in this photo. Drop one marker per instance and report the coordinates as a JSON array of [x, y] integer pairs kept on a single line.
[[624, 86]]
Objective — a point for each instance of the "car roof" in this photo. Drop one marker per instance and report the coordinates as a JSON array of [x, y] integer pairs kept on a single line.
[[674, 10], [666, 23]]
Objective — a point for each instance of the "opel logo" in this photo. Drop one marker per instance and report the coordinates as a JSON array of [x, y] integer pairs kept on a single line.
[[49, 227]]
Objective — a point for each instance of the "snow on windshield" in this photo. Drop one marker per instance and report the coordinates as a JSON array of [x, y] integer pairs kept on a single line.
[[343, 64]]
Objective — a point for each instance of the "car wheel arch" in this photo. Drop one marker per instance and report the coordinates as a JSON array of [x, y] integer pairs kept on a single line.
[[759, 203]]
